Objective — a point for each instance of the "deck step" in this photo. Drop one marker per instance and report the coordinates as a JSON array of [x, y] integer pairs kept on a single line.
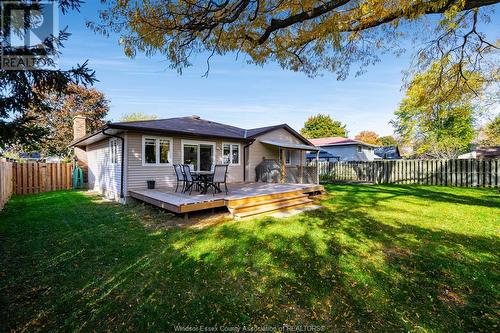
[[264, 209], [253, 204], [231, 203]]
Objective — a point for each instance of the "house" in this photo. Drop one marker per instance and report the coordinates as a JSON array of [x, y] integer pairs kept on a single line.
[[121, 157], [388, 153], [346, 149], [482, 153]]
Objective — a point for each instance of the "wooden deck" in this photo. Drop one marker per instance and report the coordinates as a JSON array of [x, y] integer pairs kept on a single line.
[[239, 196]]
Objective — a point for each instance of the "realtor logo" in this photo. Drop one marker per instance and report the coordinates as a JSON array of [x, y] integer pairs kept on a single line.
[[29, 35]]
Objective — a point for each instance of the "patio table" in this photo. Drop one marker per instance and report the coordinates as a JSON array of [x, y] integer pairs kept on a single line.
[[204, 177]]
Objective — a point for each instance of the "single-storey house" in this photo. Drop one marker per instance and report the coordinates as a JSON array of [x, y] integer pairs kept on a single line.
[[123, 156], [346, 149]]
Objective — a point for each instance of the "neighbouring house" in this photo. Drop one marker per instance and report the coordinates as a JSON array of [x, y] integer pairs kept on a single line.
[[323, 156], [346, 149], [388, 153], [482, 153], [123, 156]]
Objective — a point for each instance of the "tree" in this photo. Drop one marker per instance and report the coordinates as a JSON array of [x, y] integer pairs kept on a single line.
[[308, 36], [322, 126], [491, 133], [76, 100], [368, 137], [18, 86], [435, 123], [137, 116], [388, 140]]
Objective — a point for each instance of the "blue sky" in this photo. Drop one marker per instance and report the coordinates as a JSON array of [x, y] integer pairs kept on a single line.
[[235, 93]]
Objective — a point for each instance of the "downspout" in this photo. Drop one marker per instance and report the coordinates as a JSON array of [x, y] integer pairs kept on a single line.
[[245, 159], [122, 159]]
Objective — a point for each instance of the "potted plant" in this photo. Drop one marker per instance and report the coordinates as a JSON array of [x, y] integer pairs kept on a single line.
[[151, 184]]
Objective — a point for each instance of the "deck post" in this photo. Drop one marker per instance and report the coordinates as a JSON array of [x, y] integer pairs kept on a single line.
[[301, 166], [317, 167], [283, 168]]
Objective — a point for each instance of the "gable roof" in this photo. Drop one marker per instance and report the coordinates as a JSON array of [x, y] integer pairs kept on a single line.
[[193, 126], [255, 132], [338, 141]]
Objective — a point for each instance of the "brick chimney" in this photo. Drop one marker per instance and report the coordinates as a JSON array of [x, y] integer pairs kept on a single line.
[[80, 130], [79, 127]]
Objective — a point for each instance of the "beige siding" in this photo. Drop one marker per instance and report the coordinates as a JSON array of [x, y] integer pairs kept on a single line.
[[259, 151], [164, 175], [103, 176]]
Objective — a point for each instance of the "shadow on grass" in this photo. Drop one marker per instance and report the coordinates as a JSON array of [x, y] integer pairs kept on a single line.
[[70, 262]]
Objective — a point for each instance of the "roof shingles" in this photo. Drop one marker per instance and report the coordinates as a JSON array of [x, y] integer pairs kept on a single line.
[[193, 126]]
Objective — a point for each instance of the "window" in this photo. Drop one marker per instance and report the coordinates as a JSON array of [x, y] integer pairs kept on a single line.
[[231, 153], [199, 154], [156, 150], [164, 151], [113, 151], [360, 149], [288, 157]]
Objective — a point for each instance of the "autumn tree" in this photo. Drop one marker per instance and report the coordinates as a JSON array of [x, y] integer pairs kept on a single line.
[[18, 86], [321, 125], [368, 137], [491, 133], [435, 123], [137, 116], [388, 140], [308, 36], [58, 124]]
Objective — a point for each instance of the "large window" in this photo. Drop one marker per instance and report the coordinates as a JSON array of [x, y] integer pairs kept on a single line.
[[113, 151], [231, 153], [156, 150], [199, 154]]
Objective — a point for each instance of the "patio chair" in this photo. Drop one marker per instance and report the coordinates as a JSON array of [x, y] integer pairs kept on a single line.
[[179, 174], [189, 180], [220, 177]]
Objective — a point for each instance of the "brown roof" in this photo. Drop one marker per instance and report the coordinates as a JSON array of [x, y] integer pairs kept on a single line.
[[488, 152], [193, 126], [183, 125]]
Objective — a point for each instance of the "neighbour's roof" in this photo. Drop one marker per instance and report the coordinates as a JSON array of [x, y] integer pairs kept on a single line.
[[483, 152], [192, 126], [337, 141], [488, 152]]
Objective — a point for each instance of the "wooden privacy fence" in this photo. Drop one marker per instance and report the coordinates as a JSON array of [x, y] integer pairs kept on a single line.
[[41, 177], [456, 172], [5, 182]]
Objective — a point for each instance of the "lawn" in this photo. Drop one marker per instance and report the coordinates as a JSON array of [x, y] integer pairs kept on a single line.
[[403, 258]]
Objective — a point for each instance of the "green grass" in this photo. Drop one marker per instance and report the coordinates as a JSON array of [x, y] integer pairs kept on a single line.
[[378, 258]]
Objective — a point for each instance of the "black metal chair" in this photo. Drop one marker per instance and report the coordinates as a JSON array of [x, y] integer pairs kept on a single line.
[[220, 177], [180, 177], [188, 179]]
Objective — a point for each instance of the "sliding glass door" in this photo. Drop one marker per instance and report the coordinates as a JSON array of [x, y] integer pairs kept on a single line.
[[201, 155]]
